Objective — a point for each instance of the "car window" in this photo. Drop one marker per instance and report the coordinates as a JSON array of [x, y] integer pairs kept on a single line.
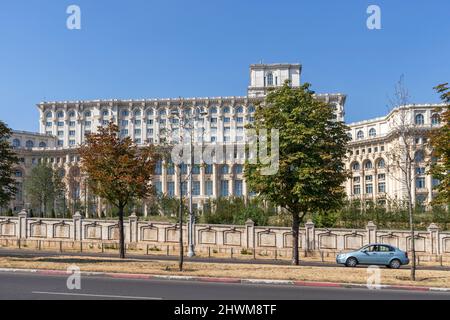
[[383, 249], [372, 248]]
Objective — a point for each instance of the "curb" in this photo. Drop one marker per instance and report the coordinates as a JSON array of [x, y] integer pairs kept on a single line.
[[311, 284]]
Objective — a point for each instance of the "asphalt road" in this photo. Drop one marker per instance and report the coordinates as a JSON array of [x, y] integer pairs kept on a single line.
[[30, 286], [29, 253]]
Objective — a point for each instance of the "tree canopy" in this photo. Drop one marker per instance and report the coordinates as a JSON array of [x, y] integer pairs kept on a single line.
[[440, 141], [117, 169], [312, 146], [8, 160]]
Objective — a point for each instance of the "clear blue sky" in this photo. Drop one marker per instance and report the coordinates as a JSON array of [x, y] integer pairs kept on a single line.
[[149, 49]]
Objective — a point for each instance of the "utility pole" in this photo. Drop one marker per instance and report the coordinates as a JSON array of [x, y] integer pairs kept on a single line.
[[181, 219]]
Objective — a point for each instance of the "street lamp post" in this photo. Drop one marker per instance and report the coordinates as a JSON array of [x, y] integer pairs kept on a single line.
[[191, 219], [191, 229]]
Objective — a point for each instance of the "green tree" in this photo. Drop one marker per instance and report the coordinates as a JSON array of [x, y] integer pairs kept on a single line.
[[8, 160], [118, 170], [43, 187], [440, 142], [312, 146]]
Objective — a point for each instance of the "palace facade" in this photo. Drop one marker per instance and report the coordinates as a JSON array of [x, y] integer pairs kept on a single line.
[[215, 120]]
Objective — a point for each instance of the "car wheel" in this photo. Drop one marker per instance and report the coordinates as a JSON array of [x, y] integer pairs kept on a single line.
[[351, 262], [395, 264]]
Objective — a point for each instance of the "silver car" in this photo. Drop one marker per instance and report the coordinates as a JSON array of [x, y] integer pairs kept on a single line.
[[375, 254]]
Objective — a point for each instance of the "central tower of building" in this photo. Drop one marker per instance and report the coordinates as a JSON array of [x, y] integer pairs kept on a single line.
[[266, 76]]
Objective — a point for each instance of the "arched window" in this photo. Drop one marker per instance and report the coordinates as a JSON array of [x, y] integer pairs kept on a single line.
[[419, 120], [87, 114], [137, 113], [213, 110], [105, 112], [381, 164], [360, 135], [29, 144], [61, 172], [251, 109], [224, 169], [435, 119], [419, 156], [270, 79], [42, 145], [162, 112], [226, 110], [239, 109], [72, 114], [372, 133], [49, 115], [355, 166], [238, 168], [18, 173], [16, 143], [368, 165], [60, 114], [150, 112]]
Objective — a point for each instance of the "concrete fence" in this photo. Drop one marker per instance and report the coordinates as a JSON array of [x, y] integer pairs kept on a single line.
[[238, 237]]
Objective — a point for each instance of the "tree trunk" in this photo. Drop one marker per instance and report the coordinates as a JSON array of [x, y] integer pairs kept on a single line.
[[121, 234], [295, 235], [413, 243]]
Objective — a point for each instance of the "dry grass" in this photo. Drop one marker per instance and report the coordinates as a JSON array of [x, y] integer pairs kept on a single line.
[[249, 271]]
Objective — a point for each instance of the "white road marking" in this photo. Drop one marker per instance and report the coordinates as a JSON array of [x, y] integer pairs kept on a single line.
[[95, 295]]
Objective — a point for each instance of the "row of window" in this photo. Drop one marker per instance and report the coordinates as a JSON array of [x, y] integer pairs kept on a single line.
[[369, 188], [208, 188], [150, 112], [380, 164], [224, 169], [419, 119], [16, 143]]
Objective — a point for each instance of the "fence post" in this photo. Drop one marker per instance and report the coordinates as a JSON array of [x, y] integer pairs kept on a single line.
[[77, 226], [309, 236], [250, 234], [23, 217], [133, 227], [433, 229], [371, 229]]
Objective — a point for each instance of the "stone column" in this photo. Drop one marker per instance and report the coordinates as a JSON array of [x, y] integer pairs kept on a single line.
[[433, 229], [371, 232], [77, 226], [133, 228], [23, 217], [250, 234], [310, 236]]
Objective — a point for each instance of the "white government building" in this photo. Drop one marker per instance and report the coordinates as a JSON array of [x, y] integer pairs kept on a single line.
[[221, 120]]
